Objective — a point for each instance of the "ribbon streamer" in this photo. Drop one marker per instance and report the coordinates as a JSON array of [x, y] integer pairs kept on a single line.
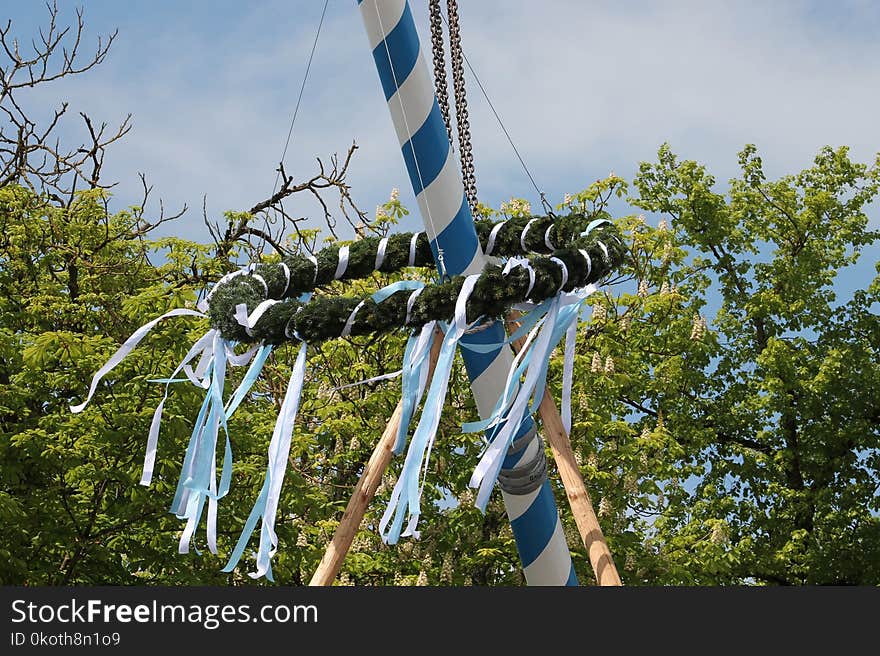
[[560, 319], [266, 504], [415, 376], [201, 482], [126, 348], [203, 343], [406, 495]]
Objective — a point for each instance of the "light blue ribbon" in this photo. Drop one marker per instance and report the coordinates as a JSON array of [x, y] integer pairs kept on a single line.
[[393, 288], [249, 379], [414, 362], [415, 370], [531, 320], [203, 343], [562, 315], [405, 497], [527, 321], [486, 472], [266, 504], [202, 483], [181, 495]]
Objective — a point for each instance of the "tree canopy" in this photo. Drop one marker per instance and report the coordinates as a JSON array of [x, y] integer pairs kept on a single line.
[[725, 413]]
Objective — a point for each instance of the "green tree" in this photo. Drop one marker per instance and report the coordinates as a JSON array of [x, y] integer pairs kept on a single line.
[[745, 451], [725, 406], [75, 281]]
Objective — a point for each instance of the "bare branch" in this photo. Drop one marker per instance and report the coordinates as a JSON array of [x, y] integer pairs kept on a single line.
[[31, 155], [276, 220]]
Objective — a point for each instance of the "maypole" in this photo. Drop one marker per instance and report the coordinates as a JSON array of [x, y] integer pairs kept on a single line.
[[436, 182]]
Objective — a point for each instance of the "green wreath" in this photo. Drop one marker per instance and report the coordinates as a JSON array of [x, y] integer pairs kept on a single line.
[[573, 251]]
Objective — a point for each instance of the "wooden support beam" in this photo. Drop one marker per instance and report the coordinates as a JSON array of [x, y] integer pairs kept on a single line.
[[560, 445], [570, 473], [365, 489]]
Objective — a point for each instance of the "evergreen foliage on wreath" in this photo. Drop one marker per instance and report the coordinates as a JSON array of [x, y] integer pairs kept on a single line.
[[563, 253]]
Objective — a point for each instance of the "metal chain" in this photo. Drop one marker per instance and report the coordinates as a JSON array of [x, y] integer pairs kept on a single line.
[[440, 64], [461, 111]]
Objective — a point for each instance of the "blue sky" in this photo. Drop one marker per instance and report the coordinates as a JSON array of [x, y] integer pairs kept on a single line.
[[584, 87]]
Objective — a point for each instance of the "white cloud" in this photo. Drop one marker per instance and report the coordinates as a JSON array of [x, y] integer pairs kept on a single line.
[[583, 87]]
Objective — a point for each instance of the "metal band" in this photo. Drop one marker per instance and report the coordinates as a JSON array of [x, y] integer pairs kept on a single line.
[[526, 477], [522, 442]]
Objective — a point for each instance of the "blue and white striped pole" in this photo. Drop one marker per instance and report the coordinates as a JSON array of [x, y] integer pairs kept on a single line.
[[434, 173]]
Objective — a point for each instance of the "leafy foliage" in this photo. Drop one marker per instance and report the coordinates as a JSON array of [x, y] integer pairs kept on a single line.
[[737, 450], [748, 452], [725, 406]]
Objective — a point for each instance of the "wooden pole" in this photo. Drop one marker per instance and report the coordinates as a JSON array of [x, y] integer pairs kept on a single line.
[[570, 473], [560, 445], [365, 489]]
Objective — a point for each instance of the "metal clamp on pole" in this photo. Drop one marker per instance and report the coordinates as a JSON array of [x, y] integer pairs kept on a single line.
[[528, 476]]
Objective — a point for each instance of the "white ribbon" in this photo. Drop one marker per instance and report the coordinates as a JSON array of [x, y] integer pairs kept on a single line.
[[568, 374], [523, 262], [415, 369], [564, 270], [410, 302], [201, 481], [520, 360], [588, 260], [558, 317], [294, 334], [522, 237], [279, 448], [490, 244], [211, 529], [198, 377], [423, 344], [205, 302], [126, 348], [262, 281], [237, 360], [487, 469], [314, 260], [547, 242], [195, 502], [342, 265], [203, 343], [286, 270], [407, 492], [346, 329], [412, 249], [249, 321], [380, 253]]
